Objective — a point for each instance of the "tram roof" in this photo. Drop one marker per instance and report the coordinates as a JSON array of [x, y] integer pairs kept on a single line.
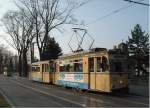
[[81, 53], [40, 62]]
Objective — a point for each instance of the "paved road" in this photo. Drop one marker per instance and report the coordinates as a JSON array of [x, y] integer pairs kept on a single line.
[[141, 90], [25, 93]]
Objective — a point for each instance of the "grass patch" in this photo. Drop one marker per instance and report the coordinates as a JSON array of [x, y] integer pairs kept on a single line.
[[3, 102]]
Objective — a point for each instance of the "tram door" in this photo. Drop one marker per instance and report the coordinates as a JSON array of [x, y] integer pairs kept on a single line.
[[52, 71], [92, 73], [45, 73], [99, 77]]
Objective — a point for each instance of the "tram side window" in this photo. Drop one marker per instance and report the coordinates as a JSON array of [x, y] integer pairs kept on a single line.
[[71, 67], [91, 64], [38, 69], [62, 68], [52, 67], [67, 68], [78, 66], [99, 64], [35, 69], [46, 68]]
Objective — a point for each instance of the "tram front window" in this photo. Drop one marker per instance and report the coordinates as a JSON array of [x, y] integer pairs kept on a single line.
[[102, 64]]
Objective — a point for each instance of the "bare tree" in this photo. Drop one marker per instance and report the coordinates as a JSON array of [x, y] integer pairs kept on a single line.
[[49, 15], [19, 26], [5, 58], [2, 48]]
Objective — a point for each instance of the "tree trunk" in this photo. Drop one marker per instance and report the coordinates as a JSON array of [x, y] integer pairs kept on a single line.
[[24, 67], [20, 65], [41, 54]]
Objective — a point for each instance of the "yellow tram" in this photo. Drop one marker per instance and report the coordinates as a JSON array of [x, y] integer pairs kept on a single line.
[[97, 69]]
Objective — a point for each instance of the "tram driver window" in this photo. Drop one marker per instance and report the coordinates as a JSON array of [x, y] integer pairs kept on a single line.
[[104, 64]]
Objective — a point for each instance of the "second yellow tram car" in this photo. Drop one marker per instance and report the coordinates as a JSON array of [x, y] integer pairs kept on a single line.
[[40, 72], [98, 70]]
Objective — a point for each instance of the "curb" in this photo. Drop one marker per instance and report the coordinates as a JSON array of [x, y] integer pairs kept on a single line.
[[6, 98]]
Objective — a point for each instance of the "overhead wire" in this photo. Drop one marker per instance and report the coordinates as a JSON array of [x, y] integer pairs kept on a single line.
[[110, 14], [103, 17], [131, 1]]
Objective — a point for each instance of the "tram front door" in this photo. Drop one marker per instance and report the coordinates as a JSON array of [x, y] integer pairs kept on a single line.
[[92, 74], [99, 75]]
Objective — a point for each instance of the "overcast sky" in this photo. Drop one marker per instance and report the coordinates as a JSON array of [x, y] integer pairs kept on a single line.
[[106, 32]]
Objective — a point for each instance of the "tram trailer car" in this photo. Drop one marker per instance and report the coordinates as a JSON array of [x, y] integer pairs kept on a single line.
[[40, 72], [96, 70]]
